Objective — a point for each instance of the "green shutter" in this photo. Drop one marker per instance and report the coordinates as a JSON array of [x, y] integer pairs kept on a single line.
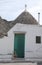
[[19, 45]]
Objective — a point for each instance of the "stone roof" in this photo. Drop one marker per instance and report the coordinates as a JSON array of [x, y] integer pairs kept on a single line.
[[24, 18], [4, 27]]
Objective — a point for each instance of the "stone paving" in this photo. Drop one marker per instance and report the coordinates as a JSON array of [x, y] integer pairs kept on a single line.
[[18, 63]]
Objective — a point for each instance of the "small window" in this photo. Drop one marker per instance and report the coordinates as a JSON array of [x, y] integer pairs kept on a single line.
[[38, 39]]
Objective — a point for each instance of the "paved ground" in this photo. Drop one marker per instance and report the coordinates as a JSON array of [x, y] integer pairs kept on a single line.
[[18, 63]]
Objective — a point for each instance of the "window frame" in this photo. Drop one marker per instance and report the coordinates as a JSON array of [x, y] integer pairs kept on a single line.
[[38, 39]]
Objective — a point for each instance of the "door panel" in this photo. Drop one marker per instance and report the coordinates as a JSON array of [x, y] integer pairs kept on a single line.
[[19, 45]]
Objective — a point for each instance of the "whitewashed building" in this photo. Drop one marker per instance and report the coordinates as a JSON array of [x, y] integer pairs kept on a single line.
[[24, 37]]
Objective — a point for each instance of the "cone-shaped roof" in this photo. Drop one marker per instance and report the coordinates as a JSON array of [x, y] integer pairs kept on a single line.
[[4, 27], [24, 18]]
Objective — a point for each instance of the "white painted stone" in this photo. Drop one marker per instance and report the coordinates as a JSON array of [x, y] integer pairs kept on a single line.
[[31, 48]]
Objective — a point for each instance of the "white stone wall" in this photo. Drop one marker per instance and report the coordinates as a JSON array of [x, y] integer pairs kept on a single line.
[[31, 48]]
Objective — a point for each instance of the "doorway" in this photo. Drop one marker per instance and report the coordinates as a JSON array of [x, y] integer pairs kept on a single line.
[[19, 43]]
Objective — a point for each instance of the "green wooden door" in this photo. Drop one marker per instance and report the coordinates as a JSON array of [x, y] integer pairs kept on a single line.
[[19, 45]]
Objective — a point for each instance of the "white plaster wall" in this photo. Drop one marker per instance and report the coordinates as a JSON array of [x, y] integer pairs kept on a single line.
[[31, 31], [31, 48], [6, 45]]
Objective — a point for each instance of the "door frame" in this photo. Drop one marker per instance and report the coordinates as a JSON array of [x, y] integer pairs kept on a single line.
[[18, 32]]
